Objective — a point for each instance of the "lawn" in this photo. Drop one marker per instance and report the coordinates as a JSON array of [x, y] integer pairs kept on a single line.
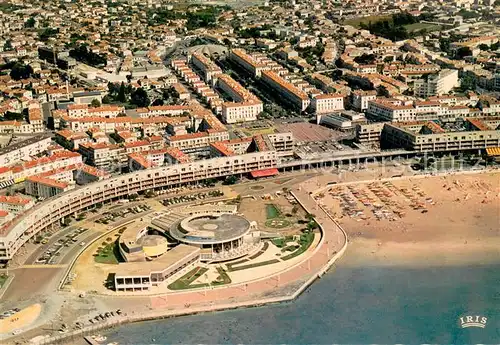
[[3, 279], [279, 223], [223, 278], [256, 131], [356, 22], [109, 254], [420, 26], [272, 211], [257, 264], [184, 281], [305, 242], [282, 241]]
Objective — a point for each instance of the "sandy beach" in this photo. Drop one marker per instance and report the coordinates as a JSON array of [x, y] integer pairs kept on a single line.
[[460, 224]]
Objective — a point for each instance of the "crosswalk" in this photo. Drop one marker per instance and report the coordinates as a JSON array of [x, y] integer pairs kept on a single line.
[[5, 184]]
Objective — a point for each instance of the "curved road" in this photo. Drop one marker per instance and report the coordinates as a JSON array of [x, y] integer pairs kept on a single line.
[[333, 241]]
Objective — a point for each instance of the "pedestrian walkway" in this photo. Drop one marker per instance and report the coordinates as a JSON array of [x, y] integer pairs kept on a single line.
[[44, 266], [333, 242]]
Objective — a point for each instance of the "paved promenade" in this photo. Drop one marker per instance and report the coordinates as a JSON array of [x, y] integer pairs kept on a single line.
[[282, 286], [332, 242]]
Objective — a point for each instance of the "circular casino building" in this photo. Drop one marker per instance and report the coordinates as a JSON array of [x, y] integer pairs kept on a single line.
[[220, 236]]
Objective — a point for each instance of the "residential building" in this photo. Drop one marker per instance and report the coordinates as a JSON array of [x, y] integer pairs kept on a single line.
[[436, 84]]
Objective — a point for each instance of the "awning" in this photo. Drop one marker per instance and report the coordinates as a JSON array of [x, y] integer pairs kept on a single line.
[[264, 173], [493, 151]]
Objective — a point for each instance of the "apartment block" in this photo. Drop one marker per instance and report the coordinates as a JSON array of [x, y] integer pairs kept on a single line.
[[327, 103], [15, 234], [360, 99], [247, 62], [103, 156], [205, 65], [24, 150], [287, 90], [44, 187], [436, 84], [430, 136]]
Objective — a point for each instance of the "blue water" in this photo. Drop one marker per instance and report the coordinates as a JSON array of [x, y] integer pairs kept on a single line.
[[350, 305]]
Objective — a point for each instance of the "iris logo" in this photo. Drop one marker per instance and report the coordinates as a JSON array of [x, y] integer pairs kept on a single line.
[[473, 321]]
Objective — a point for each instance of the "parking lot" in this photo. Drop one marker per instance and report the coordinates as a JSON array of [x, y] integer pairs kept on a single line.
[[62, 245], [192, 197], [112, 216]]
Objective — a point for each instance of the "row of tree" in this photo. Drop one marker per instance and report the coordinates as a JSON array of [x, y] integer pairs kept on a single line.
[[125, 93], [394, 28], [196, 17], [83, 54], [18, 70]]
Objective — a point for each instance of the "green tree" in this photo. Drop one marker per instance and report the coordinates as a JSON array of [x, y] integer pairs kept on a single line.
[[484, 46], [8, 45], [121, 94], [444, 44], [47, 33], [30, 23], [158, 101], [310, 217], [463, 52], [140, 98], [13, 116], [112, 88], [95, 103], [231, 180], [21, 71]]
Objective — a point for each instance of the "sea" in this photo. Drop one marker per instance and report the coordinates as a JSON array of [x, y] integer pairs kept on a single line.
[[351, 304]]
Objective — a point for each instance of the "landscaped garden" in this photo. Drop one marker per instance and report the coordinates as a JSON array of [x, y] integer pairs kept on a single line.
[[305, 241], [275, 218], [232, 268], [272, 211], [282, 241], [108, 253], [185, 282], [293, 244]]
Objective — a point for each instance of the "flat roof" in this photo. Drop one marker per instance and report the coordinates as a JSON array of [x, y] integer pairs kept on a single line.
[[23, 143], [145, 268], [210, 228]]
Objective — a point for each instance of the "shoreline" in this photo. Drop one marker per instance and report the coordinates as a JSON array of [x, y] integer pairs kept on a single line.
[[263, 300], [254, 302]]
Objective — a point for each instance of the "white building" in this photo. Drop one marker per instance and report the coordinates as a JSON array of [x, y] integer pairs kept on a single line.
[[24, 150], [290, 92], [436, 84], [361, 98], [327, 103], [241, 112]]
